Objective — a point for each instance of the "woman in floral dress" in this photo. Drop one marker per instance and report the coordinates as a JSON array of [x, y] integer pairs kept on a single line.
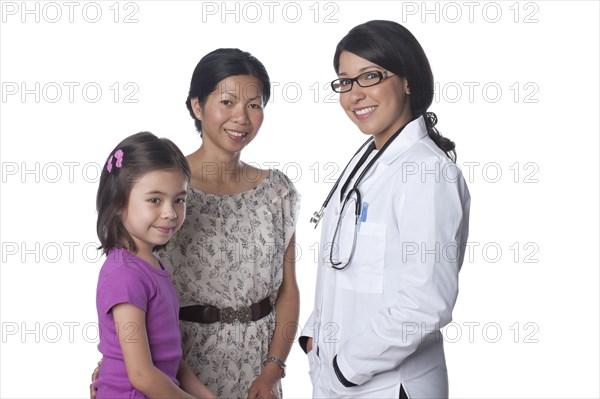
[[233, 260]]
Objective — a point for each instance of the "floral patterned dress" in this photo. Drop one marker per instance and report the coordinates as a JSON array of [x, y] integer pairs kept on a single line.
[[229, 253]]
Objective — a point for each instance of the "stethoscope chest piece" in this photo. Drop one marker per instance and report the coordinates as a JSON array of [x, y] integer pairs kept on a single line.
[[316, 217]]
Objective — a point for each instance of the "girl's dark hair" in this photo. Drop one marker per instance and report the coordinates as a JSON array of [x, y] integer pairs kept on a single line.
[[129, 161], [392, 46], [221, 64]]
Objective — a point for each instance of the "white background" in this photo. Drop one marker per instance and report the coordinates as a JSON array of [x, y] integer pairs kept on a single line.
[[527, 318]]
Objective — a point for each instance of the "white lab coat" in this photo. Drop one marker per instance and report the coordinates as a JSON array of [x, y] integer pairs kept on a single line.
[[382, 315]]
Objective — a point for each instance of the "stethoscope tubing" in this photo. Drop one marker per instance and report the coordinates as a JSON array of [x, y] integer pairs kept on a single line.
[[345, 263], [316, 218]]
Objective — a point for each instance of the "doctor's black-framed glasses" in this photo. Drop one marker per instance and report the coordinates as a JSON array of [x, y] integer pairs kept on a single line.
[[366, 79]]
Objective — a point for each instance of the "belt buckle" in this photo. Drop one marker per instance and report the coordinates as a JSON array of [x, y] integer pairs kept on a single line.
[[230, 315]]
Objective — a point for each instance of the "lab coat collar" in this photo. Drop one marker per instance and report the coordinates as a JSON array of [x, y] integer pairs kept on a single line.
[[413, 132]]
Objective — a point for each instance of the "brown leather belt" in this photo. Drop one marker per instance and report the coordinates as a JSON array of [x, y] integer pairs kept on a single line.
[[212, 314]]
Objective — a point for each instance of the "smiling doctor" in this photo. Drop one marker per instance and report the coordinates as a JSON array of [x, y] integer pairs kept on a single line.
[[394, 230]]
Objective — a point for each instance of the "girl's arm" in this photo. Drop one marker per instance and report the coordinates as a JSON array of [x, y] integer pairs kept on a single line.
[[130, 323], [287, 308], [190, 383]]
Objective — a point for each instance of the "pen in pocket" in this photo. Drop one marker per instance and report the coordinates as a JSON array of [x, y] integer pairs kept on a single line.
[[363, 214]]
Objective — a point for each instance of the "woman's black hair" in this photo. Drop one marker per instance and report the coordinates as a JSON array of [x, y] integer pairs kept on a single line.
[[392, 46], [221, 64], [132, 158]]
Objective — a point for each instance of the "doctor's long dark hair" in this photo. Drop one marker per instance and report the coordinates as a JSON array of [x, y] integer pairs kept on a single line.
[[392, 46]]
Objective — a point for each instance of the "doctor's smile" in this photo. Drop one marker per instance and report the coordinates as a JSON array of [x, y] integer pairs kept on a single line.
[[362, 113]]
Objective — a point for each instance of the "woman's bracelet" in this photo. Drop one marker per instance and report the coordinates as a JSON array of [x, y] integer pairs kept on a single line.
[[277, 361]]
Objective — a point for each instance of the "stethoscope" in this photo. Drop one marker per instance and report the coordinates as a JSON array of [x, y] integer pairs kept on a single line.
[[316, 217], [354, 191]]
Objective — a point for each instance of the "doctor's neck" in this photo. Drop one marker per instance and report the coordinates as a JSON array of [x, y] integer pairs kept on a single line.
[[383, 137]]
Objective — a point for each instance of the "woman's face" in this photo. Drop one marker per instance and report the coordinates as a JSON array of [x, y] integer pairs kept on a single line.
[[378, 110], [232, 113]]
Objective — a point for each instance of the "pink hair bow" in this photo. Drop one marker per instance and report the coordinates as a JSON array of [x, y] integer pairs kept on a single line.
[[118, 155]]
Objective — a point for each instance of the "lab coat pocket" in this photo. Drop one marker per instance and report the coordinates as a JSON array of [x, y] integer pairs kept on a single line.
[[314, 364], [365, 271]]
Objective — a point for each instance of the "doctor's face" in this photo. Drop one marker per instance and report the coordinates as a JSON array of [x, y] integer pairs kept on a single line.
[[378, 110]]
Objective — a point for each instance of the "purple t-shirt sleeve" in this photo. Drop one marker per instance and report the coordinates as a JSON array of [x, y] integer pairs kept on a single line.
[[123, 284], [125, 278]]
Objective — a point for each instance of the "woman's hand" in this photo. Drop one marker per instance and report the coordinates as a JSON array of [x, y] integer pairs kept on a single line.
[[308, 345], [95, 375], [265, 385], [287, 307]]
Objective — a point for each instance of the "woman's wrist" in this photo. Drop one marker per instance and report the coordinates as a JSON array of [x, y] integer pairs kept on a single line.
[[274, 367]]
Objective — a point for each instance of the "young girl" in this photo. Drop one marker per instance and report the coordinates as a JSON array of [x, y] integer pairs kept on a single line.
[[141, 204]]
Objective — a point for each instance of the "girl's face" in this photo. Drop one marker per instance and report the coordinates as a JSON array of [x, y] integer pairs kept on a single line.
[[378, 110], [232, 114], [156, 208]]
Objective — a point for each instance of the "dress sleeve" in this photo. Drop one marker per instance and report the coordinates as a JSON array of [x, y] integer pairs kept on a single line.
[[124, 284], [290, 202]]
